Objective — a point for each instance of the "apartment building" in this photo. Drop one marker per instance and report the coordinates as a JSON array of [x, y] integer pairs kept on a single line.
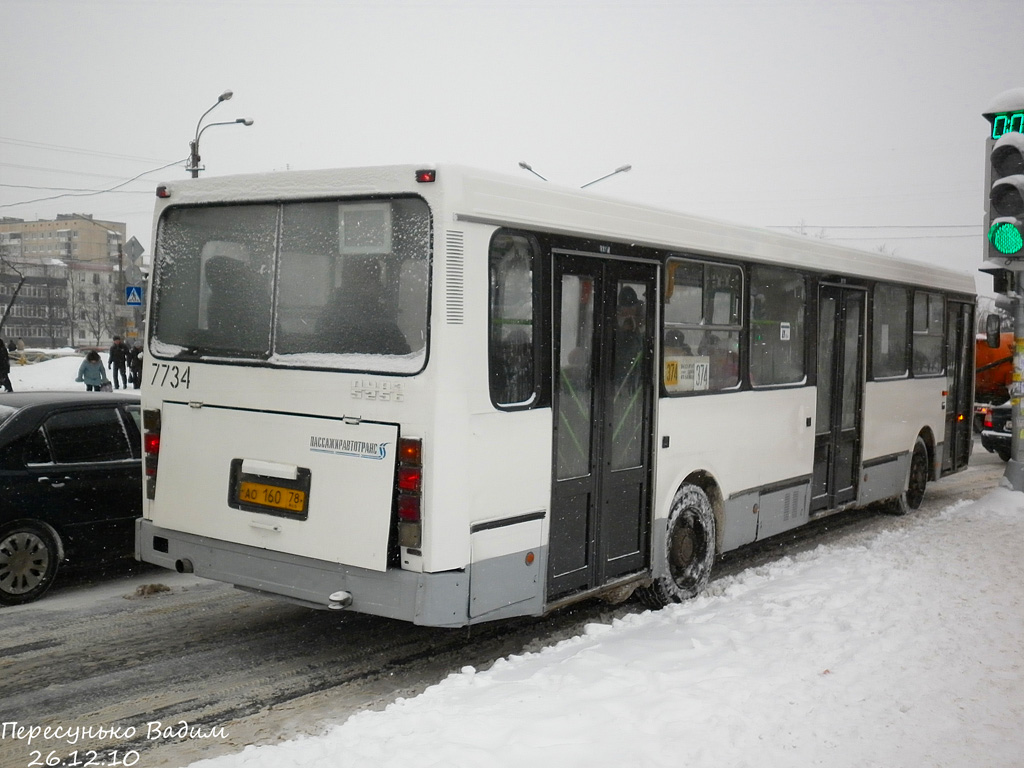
[[67, 268]]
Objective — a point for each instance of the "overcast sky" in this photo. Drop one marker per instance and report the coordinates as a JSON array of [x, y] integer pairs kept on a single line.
[[786, 113]]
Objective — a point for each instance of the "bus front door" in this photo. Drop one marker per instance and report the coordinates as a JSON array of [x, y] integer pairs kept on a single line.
[[840, 394], [956, 447], [603, 399]]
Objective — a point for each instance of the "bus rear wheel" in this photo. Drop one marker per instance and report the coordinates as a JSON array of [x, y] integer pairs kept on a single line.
[[688, 552], [917, 481]]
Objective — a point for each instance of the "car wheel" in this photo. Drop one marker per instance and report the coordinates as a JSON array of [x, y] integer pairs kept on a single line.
[[1003, 453], [689, 550], [29, 558]]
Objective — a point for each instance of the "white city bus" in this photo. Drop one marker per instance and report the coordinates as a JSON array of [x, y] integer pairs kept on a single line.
[[450, 396]]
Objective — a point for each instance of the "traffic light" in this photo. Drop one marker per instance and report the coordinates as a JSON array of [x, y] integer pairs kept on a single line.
[[1004, 204], [1006, 195]]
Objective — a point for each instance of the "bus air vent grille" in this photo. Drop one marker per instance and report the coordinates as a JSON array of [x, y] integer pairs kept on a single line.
[[454, 278]]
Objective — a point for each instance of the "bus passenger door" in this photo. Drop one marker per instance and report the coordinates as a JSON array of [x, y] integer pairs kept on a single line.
[[956, 447], [840, 393], [603, 398]]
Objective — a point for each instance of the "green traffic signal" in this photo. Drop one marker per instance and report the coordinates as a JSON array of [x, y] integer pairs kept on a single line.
[[1006, 238]]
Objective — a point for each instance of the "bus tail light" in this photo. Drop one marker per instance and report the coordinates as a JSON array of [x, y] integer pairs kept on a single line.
[[408, 508], [151, 448], [410, 479], [409, 488]]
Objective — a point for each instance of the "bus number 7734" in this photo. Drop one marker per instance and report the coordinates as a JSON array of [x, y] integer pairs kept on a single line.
[[173, 376]]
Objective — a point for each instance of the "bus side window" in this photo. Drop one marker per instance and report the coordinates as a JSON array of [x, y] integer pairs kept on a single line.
[[777, 308], [929, 315], [889, 334], [512, 370], [703, 320]]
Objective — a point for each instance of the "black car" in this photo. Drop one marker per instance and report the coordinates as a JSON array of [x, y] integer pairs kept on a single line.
[[70, 485], [997, 430]]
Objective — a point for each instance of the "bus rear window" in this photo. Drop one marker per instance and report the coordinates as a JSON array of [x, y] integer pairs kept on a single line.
[[328, 283]]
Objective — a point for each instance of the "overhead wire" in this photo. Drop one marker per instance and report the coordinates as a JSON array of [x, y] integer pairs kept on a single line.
[[94, 192], [74, 150]]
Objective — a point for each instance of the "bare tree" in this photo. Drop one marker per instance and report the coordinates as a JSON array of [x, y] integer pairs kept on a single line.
[[94, 304], [56, 306], [6, 264]]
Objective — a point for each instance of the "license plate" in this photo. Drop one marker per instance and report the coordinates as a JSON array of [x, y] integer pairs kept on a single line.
[[264, 495]]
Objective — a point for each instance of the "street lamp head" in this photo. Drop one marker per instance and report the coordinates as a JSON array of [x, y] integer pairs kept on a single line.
[[245, 120], [527, 167], [225, 96], [620, 169]]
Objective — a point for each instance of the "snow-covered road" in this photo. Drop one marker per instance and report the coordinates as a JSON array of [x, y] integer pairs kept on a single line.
[[901, 647]]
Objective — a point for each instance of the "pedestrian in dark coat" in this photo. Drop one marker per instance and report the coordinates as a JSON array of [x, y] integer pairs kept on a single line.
[[118, 357], [135, 365], [5, 368]]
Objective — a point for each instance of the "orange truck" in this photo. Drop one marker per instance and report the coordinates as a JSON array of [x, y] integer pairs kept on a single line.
[[993, 374], [993, 369]]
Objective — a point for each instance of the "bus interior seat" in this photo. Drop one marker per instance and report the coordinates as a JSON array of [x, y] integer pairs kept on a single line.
[[239, 307], [356, 323]]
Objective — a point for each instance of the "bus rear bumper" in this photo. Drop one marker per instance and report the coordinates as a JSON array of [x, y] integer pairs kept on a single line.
[[431, 599]]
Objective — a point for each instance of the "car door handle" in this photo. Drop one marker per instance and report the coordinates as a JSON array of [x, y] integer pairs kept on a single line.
[[54, 483]]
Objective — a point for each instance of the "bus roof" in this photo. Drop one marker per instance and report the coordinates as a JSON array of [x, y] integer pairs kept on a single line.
[[474, 195]]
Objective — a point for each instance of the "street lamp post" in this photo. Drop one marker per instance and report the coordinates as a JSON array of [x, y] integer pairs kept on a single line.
[[193, 157]]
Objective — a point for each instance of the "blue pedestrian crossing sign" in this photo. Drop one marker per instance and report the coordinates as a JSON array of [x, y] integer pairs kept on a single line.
[[133, 295]]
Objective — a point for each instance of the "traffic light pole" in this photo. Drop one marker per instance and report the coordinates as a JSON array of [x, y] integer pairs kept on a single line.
[[1004, 244], [1014, 467]]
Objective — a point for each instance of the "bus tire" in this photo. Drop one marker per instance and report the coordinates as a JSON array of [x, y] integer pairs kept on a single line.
[[683, 567], [917, 480]]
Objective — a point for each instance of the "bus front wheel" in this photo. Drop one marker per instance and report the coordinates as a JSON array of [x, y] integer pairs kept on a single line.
[[688, 551]]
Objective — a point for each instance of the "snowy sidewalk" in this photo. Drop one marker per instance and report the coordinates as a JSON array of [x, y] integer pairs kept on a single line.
[[905, 651]]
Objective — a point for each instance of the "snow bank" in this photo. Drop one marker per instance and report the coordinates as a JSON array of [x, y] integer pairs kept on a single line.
[[56, 374], [903, 651]]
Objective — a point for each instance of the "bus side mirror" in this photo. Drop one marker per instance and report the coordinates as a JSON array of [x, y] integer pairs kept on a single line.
[[993, 324]]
